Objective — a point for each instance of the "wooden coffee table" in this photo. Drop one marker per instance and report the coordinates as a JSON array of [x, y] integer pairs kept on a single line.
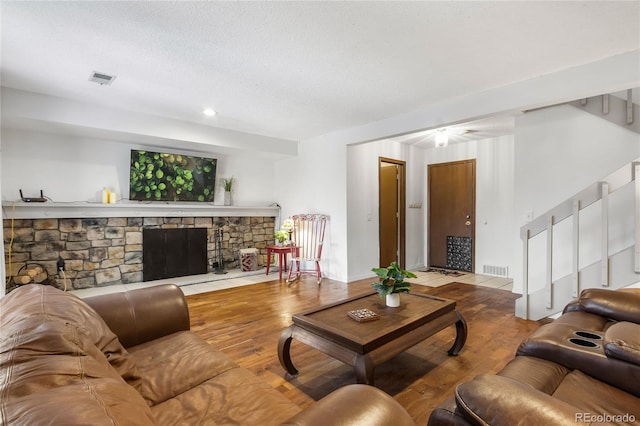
[[364, 345]]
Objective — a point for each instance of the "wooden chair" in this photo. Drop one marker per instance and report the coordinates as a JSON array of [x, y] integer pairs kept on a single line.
[[307, 238]]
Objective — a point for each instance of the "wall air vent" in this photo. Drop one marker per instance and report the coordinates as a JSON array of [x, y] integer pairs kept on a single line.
[[497, 271], [101, 78]]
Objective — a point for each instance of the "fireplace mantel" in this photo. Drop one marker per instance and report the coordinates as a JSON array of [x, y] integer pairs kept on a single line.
[[22, 210]]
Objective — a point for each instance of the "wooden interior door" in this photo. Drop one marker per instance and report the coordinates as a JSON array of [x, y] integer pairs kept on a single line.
[[452, 201], [391, 178]]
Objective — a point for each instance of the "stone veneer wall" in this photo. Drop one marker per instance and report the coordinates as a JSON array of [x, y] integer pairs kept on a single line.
[[106, 251]]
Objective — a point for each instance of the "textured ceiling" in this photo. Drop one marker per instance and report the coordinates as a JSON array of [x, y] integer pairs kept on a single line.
[[296, 70]]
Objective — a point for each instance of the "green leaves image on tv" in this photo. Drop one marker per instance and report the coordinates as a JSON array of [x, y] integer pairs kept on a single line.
[[156, 176]]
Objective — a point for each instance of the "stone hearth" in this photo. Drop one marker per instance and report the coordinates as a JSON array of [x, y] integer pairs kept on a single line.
[[103, 251]]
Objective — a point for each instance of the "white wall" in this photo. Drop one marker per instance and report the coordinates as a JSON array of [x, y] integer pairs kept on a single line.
[[559, 151], [362, 205], [494, 196], [72, 168], [315, 182], [354, 195]]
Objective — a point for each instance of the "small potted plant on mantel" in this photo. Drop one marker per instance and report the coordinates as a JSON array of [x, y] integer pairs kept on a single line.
[[392, 283], [227, 184]]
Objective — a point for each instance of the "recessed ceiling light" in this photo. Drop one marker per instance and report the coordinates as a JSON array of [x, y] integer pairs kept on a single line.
[[209, 112]]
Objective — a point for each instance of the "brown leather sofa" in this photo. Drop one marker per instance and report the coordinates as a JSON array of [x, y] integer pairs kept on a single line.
[[584, 367], [130, 359]]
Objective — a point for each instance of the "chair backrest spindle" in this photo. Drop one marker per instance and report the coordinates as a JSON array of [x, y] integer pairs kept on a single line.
[[307, 237], [308, 234]]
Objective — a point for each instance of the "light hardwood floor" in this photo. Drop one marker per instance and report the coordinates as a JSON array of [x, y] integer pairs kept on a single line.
[[442, 277], [246, 321]]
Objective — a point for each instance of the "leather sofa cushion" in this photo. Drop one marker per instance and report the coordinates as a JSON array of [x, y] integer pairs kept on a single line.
[[376, 408], [553, 342], [498, 400], [35, 304], [448, 413], [622, 341], [595, 397], [187, 381], [581, 320], [94, 401], [47, 361], [538, 373], [233, 397], [49, 355], [618, 305], [144, 314], [175, 363]]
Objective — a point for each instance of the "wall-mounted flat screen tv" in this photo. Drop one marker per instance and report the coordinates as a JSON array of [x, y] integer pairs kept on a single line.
[[157, 176]]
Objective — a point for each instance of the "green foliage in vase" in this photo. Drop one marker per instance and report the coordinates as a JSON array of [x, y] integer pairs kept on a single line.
[[227, 183], [392, 280], [281, 236]]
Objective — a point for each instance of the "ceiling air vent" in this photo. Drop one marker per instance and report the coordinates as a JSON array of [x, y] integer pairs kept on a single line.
[[101, 78]]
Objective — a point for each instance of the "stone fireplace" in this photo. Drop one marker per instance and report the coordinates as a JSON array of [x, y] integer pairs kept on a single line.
[[174, 252], [102, 251]]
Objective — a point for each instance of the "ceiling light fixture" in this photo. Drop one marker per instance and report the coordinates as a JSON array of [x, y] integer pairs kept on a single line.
[[442, 138], [209, 112]]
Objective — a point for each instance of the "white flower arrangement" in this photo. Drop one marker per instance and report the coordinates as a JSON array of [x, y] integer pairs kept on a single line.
[[285, 231], [287, 225]]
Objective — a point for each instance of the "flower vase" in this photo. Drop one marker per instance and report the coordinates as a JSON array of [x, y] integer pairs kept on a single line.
[[393, 300], [227, 198]]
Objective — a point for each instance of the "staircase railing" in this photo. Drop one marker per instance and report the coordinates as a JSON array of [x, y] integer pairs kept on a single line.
[[571, 208]]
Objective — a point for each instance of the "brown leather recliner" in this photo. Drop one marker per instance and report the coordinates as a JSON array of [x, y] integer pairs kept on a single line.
[[546, 382], [598, 334], [130, 359]]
